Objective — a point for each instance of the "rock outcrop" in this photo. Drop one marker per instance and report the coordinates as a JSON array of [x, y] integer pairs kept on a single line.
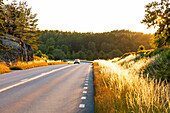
[[17, 50]]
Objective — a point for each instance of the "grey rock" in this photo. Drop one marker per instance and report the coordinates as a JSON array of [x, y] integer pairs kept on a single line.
[[20, 51]]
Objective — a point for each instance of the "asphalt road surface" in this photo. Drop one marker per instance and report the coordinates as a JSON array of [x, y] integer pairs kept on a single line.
[[49, 89]]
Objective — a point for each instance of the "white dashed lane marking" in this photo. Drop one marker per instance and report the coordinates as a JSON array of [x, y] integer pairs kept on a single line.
[[83, 98], [82, 106], [85, 87], [84, 91]]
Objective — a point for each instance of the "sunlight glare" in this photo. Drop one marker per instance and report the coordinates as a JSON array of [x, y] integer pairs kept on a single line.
[[160, 19]]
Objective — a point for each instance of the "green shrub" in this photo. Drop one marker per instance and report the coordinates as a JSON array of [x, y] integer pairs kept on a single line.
[[126, 54], [160, 68], [15, 68], [50, 56], [40, 54], [141, 47]]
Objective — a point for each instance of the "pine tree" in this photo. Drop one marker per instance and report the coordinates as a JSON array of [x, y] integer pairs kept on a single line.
[[2, 19], [11, 15], [21, 23]]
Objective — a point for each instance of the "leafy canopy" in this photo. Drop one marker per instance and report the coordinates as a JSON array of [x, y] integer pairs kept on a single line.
[[157, 15]]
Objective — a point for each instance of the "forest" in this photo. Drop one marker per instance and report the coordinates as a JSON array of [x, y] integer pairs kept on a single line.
[[18, 21], [107, 45]]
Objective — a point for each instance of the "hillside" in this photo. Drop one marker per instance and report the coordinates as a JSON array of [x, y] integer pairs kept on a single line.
[[91, 46], [137, 82], [147, 63]]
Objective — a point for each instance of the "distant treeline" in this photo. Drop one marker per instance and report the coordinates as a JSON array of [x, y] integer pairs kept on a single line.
[[107, 45]]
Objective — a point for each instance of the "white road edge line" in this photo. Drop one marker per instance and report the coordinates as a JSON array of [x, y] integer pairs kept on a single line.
[[31, 79]]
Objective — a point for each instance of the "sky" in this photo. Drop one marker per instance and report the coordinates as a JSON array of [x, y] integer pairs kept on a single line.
[[90, 15]]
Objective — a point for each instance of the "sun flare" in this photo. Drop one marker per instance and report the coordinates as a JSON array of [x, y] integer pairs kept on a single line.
[[159, 19]]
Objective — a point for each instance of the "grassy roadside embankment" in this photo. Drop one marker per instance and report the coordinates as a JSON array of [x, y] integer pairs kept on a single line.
[[121, 85]]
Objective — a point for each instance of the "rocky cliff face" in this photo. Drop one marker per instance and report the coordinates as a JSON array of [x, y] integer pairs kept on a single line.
[[17, 50]]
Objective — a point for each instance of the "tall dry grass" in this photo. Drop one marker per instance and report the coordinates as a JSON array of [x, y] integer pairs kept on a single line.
[[38, 62], [28, 65], [58, 62], [4, 69], [120, 87]]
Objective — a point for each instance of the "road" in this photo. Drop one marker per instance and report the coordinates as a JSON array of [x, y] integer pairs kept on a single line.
[[50, 89]]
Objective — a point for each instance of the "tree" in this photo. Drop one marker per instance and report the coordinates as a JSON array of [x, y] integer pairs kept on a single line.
[[50, 42], [105, 47], [141, 47], [80, 55], [91, 46], [43, 48], [115, 53], [90, 55], [122, 40], [73, 55], [102, 55], [50, 49], [50, 56], [58, 54], [18, 21], [83, 49], [40, 54], [64, 48], [68, 55], [157, 15], [96, 55], [2, 19]]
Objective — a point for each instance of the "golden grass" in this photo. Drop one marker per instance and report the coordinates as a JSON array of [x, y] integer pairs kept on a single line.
[[28, 65], [38, 62], [4, 69], [120, 89], [37, 58], [58, 62]]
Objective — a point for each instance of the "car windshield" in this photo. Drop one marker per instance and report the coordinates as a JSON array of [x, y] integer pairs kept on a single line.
[[76, 60]]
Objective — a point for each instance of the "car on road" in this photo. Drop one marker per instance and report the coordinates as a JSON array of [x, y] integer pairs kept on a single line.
[[77, 61]]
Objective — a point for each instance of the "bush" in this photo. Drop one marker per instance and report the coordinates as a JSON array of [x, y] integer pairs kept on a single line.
[[115, 53], [160, 68], [37, 58], [50, 56], [141, 47], [16, 68], [40, 54], [125, 55], [4, 69], [58, 54]]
